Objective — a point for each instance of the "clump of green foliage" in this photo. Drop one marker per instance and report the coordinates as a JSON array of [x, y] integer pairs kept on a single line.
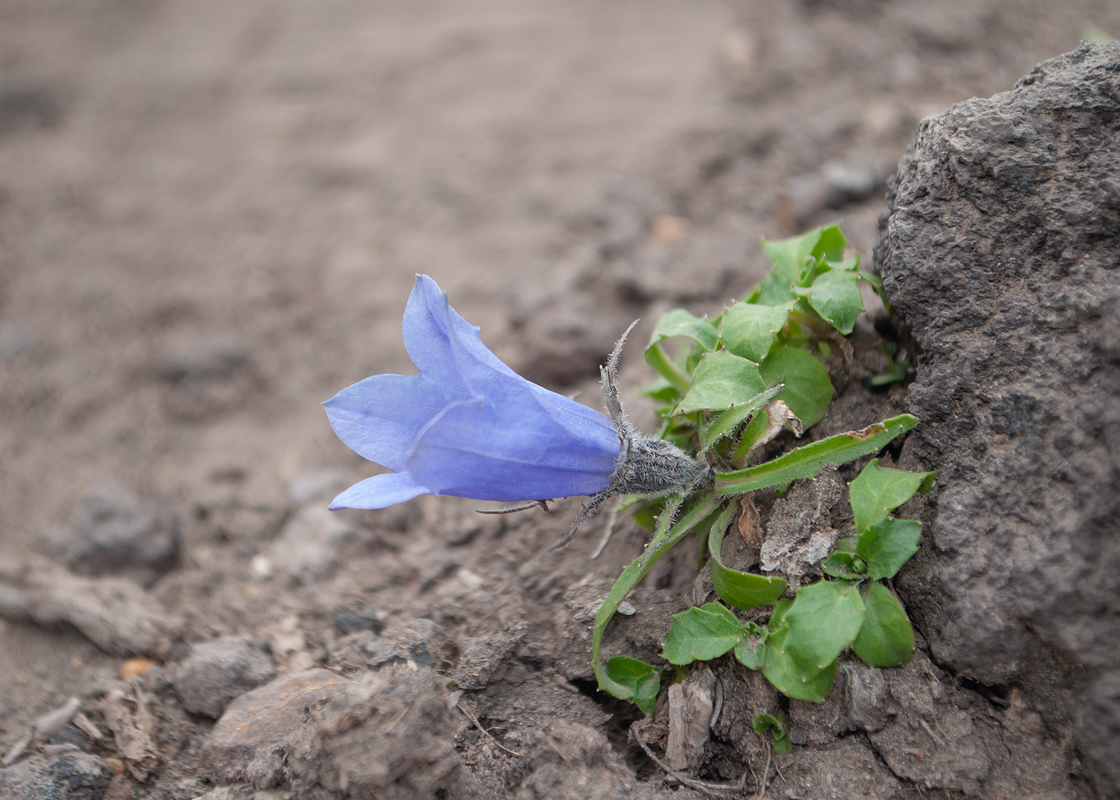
[[726, 387]]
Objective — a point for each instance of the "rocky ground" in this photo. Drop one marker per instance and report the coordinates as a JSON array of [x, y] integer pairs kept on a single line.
[[210, 218]]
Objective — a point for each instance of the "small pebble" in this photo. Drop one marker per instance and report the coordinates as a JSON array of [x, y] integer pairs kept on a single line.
[[218, 671], [134, 667], [67, 774], [310, 542], [668, 229], [260, 566], [352, 620]]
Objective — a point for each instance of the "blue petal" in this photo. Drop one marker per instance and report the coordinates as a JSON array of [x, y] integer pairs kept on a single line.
[[446, 347], [379, 418], [380, 491], [468, 425], [440, 342], [515, 446]]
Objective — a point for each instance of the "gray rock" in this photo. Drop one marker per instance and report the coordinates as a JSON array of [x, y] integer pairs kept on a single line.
[[79, 776], [572, 762], [310, 541], [1001, 254], [484, 656], [387, 735], [73, 775], [246, 745], [410, 640], [352, 619], [114, 532], [218, 671], [848, 769]]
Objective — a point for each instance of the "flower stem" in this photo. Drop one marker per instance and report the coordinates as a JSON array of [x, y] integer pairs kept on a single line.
[[660, 361], [661, 543]]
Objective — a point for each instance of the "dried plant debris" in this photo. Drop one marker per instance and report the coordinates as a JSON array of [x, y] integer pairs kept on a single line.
[[113, 613], [800, 533], [129, 716], [691, 704]]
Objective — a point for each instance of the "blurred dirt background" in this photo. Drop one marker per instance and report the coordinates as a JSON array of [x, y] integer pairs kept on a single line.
[[211, 214]]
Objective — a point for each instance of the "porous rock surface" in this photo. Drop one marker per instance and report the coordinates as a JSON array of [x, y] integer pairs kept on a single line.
[[1001, 253], [388, 735]]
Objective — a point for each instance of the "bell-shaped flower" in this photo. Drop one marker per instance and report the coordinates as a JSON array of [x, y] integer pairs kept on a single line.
[[467, 425]]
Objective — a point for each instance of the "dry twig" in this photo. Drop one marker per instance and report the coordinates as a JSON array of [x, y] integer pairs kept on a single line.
[[470, 715], [707, 787]]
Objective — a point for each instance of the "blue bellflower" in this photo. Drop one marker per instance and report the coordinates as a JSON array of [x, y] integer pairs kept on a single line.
[[467, 425]]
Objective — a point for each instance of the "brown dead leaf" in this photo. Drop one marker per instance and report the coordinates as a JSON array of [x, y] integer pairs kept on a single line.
[[134, 730], [690, 717], [750, 527]]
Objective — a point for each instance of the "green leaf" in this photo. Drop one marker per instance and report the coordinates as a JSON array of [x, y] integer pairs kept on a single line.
[[673, 370], [740, 589], [751, 650], [720, 381], [847, 545], [682, 323], [873, 279], [824, 619], [877, 491], [778, 617], [887, 545], [844, 265], [886, 638], [750, 330], [844, 565], [765, 724], [793, 257], [835, 296], [640, 682], [679, 429], [877, 284], [831, 243], [896, 372], [774, 290], [724, 423], [775, 417], [679, 322], [661, 390], [647, 512], [701, 634], [808, 390], [808, 460], [781, 671]]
